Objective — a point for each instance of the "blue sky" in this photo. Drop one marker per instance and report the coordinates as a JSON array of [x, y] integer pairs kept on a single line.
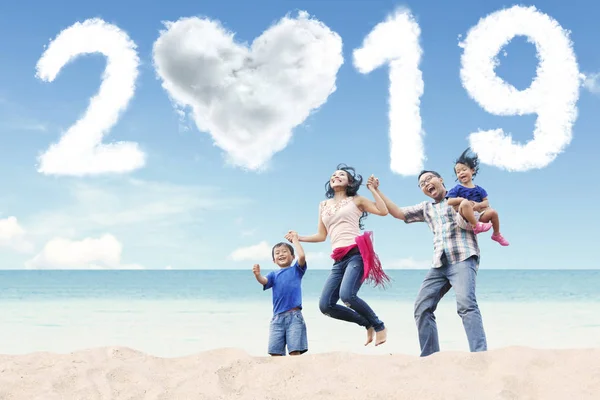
[[188, 207]]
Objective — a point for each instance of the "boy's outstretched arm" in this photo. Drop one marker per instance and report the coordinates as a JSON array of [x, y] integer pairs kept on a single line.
[[261, 279], [293, 237]]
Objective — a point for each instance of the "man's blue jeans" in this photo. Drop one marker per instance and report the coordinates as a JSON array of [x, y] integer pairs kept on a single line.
[[438, 281], [344, 282]]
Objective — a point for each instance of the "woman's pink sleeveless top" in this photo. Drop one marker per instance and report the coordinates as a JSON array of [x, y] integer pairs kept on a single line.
[[341, 221]]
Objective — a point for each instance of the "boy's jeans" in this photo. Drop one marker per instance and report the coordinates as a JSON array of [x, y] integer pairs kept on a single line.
[[343, 283], [438, 281]]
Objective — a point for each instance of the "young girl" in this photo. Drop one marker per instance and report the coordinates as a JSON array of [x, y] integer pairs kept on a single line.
[[354, 259], [471, 200]]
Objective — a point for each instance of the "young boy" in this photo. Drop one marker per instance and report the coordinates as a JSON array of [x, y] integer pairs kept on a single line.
[[287, 325]]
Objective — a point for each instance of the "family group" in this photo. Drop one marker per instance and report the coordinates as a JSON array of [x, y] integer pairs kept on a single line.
[[455, 218]]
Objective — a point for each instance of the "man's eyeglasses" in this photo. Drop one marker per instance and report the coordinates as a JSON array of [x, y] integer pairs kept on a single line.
[[426, 181]]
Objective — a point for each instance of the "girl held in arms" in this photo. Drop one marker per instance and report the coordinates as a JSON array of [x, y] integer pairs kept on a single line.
[[471, 200]]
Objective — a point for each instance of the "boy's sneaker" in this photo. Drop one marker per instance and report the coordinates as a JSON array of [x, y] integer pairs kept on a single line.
[[482, 227], [500, 239]]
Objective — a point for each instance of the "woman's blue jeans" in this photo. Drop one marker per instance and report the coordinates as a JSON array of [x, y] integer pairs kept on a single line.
[[343, 283]]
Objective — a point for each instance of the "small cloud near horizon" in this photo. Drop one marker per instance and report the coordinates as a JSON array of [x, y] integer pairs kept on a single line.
[[103, 252], [12, 235], [255, 253]]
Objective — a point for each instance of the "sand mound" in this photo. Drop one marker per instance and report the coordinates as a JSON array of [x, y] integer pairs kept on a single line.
[[122, 373]]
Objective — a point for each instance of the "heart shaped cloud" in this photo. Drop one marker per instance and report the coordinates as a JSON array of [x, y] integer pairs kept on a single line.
[[249, 98]]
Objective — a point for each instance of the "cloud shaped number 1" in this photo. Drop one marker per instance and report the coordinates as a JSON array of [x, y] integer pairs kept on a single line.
[[250, 99], [396, 41], [80, 150]]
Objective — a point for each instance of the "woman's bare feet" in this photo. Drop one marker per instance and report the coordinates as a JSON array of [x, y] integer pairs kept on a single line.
[[370, 335], [380, 337]]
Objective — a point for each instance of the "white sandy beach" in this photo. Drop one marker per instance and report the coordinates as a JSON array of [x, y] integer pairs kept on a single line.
[[122, 373]]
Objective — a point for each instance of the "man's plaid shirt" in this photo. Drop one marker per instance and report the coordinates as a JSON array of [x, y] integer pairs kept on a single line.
[[452, 235]]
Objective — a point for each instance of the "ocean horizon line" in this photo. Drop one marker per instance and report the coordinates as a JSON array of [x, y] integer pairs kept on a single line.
[[266, 268]]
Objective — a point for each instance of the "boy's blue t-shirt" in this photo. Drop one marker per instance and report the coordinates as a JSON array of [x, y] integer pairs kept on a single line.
[[476, 193], [287, 287]]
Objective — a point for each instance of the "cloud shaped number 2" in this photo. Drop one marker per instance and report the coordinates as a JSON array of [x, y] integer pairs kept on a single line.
[[249, 99], [80, 150]]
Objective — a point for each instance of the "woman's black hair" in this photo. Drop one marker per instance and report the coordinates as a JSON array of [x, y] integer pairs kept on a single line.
[[471, 161], [354, 182]]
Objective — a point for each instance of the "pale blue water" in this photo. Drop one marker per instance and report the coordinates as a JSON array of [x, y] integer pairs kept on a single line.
[[173, 313], [240, 286]]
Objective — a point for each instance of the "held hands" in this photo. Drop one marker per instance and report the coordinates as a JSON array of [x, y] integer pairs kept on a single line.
[[292, 236], [372, 183], [256, 270]]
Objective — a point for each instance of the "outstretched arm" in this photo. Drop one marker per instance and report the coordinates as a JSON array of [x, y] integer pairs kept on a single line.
[[261, 279], [320, 236], [393, 209], [378, 207], [293, 237]]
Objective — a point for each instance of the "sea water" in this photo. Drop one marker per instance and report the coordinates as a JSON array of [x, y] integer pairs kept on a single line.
[[174, 313]]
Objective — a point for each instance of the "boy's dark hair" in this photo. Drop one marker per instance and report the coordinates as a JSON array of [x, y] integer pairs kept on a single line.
[[471, 161], [289, 246]]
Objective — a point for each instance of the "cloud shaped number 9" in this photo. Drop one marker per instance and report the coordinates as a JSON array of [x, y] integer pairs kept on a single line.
[[553, 94]]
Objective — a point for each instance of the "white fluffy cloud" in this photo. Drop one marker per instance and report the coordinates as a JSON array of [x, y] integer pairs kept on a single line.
[[257, 252], [80, 151], [144, 214], [12, 235], [592, 83], [103, 252], [396, 42], [249, 98], [552, 95]]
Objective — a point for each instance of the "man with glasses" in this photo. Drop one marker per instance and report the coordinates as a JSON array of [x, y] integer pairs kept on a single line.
[[455, 263]]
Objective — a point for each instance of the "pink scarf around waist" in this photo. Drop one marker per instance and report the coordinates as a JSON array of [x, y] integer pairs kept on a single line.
[[373, 271]]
